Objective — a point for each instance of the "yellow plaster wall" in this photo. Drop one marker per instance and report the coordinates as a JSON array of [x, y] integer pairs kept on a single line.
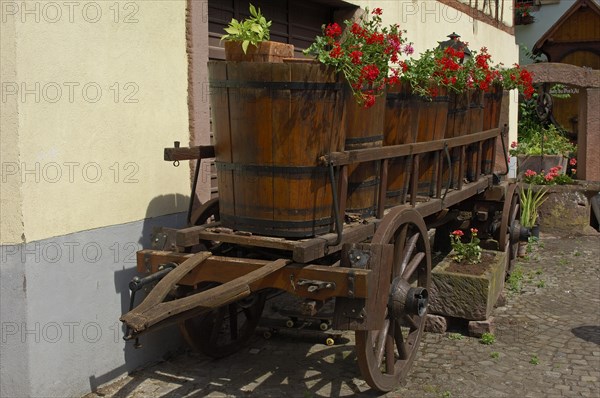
[[11, 218], [90, 160]]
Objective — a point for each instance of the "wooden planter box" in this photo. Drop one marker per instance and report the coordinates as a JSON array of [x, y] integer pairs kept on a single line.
[[538, 163], [467, 296], [266, 51]]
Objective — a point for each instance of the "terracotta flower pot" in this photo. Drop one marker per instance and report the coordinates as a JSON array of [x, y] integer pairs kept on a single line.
[[266, 51]]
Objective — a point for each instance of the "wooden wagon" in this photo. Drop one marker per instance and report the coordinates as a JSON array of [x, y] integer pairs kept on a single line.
[[325, 201]]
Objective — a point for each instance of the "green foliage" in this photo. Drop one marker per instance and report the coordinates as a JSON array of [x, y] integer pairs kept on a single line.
[[494, 354], [455, 336], [252, 30], [534, 360], [515, 280], [541, 283], [536, 139], [487, 339], [446, 394], [530, 203]]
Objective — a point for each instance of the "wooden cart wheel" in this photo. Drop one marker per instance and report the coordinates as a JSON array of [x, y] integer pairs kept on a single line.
[[208, 211], [510, 225], [203, 213], [225, 330], [386, 355]]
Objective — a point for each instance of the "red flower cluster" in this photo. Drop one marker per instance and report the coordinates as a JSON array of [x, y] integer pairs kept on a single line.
[[458, 232], [333, 30], [365, 55], [336, 52], [553, 173], [449, 67], [370, 73]]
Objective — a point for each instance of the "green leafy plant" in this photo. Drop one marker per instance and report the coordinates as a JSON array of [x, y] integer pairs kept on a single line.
[[541, 283], [455, 336], [494, 354], [368, 54], [252, 30], [469, 252], [536, 139], [530, 203], [534, 360], [487, 338], [515, 280]]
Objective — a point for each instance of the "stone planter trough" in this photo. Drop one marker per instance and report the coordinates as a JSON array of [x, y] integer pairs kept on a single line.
[[467, 296]]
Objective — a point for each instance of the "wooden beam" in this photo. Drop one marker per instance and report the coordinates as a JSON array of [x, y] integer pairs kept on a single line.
[[393, 151], [191, 153]]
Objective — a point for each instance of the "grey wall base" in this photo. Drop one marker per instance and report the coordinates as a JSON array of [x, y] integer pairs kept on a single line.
[[60, 302]]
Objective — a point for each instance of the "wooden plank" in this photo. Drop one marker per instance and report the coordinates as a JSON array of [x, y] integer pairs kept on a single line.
[[310, 250], [223, 269], [148, 260], [392, 151], [249, 240], [382, 187], [189, 236], [191, 153]]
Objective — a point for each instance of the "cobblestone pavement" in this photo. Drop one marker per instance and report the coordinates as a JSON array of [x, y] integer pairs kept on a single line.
[[547, 345]]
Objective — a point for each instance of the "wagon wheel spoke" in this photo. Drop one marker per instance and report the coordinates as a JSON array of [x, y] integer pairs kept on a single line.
[[412, 266], [386, 355], [399, 339], [382, 340], [224, 330], [412, 243], [510, 225]]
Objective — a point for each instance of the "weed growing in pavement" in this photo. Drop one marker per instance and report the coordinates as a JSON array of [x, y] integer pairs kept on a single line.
[[446, 394], [563, 261], [541, 283], [539, 271], [534, 360], [455, 336], [487, 339], [494, 354], [515, 280], [577, 253]]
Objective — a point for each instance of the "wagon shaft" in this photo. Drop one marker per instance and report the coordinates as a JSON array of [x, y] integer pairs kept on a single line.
[[153, 310], [294, 278]]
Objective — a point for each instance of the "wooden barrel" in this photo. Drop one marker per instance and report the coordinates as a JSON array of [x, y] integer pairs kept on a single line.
[[475, 126], [400, 127], [363, 129], [433, 116], [492, 104], [457, 125], [272, 122]]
